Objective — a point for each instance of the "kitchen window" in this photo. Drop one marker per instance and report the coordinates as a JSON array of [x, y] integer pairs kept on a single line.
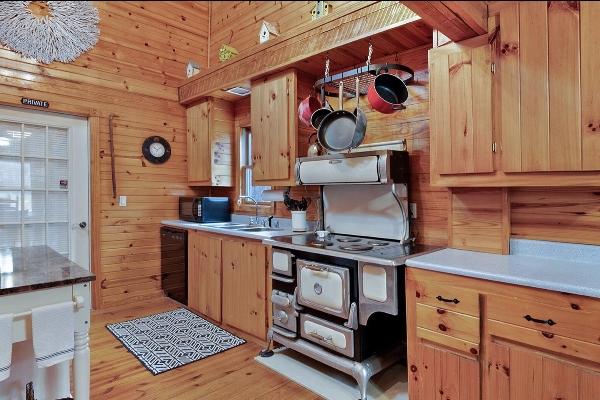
[[246, 188]]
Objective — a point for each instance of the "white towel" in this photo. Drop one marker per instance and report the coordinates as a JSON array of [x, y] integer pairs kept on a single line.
[[53, 333], [6, 328]]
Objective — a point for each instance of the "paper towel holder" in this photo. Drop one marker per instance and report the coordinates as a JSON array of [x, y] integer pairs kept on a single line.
[[275, 194]]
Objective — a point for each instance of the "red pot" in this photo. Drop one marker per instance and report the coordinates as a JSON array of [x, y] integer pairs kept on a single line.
[[306, 109], [387, 92]]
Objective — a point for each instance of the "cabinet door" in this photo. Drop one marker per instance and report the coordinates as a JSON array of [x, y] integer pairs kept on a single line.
[[461, 108], [211, 135], [204, 275], [199, 124], [545, 87], [244, 286], [274, 129], [444, 376], [516, 374]]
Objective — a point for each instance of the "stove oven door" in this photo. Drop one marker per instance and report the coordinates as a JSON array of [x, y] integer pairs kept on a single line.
[[327, 334], [324, 287]]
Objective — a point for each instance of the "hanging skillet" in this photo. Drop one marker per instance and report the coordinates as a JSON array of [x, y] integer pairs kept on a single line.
[[361, 120], [336, 130]]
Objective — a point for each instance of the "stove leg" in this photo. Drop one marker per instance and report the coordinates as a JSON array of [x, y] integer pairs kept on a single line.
[[362, 373], [266, 352]]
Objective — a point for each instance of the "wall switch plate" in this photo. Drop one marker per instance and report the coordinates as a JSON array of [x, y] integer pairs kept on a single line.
[[122, 201], [413, 210]]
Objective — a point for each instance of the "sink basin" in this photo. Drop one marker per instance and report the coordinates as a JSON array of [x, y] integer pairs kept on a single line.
[[258, 229]]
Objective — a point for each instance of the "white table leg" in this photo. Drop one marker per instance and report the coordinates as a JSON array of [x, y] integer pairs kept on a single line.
[[81, 366]]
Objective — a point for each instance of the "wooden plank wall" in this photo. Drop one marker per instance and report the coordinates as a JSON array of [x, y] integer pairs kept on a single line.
[[133, 72], [568, 214], [237, 23]]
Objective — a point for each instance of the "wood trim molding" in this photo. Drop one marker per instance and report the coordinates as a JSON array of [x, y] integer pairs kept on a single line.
[[505, 221], [94, 126]]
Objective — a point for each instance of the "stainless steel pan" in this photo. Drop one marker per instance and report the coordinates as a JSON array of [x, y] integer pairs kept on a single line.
[[336, 131], [361, 120]]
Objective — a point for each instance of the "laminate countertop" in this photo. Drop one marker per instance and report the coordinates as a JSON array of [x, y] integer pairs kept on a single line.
[[561, 267], [24, 269]]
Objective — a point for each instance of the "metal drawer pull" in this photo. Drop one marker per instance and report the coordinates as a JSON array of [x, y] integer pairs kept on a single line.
[[335, 161], [539, 321], [324, 339], [455, 301], [315, 268]]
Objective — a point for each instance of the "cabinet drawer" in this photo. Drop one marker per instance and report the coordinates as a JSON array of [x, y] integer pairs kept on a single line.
[[448, 323], [567, 322], [452, 298], [545, 340]]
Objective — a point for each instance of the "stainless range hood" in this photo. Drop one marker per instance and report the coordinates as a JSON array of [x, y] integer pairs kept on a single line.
[[369, 167]]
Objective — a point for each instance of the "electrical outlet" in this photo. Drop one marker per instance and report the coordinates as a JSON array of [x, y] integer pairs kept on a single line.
[[122, 201], [413, 210]]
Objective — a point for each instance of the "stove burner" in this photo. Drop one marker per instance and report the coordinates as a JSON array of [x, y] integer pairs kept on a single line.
[[356, 247], [378, 243], [348, 239], [321, 243]]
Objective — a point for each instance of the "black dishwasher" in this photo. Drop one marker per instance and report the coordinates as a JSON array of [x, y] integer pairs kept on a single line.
[[173, 263]]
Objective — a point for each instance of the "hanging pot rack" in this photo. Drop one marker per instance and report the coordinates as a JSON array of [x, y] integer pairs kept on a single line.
[[366, 74]]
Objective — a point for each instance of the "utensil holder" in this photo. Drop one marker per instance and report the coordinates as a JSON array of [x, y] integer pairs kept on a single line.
[[299, 221]]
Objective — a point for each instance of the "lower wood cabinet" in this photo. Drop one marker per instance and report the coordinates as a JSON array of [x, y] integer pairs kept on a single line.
[[516, 373], [244, 286], [227, 281], [204, 274], [476, 339]]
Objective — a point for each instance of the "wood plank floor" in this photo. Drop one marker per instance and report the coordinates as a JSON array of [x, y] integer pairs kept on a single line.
[[233, 374]]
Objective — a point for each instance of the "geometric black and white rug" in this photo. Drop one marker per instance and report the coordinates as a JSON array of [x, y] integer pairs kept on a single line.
[[171, 339]]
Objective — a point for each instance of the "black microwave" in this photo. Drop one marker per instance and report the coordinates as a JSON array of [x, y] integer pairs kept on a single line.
[[204, 209]]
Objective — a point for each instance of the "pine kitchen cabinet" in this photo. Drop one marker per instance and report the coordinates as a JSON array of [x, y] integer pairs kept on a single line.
[[245, 285], [274, 129], [542, 345], [528, 343], [211, 139], [461, 107], [227, 280], [545, 116], [443, 320], [204, 274]]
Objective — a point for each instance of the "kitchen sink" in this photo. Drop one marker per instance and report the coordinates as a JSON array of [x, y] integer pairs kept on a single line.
[[241, 227], [258, 229]]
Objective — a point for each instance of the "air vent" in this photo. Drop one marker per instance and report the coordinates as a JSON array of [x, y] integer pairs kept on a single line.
[[239, 91]]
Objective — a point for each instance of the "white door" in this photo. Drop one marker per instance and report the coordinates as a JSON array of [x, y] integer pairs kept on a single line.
[[44, 182]]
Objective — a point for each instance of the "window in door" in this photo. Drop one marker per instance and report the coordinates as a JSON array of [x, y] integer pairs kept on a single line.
[[34, 186]]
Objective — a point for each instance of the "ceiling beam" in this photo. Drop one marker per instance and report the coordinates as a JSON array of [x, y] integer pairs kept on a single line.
[[458, 20]]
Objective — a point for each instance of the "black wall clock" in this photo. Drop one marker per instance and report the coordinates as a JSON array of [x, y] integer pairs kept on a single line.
[[156, 149]]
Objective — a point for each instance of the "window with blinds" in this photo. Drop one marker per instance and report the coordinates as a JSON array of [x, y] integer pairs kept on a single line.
[[34, 186]]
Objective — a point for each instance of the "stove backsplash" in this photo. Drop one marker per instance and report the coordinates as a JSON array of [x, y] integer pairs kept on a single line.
[[366, 210]]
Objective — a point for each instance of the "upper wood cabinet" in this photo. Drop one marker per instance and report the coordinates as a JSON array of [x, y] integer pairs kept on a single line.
[[274, 129], [550, 118], [461, 108], [210, 143], [545, 108]]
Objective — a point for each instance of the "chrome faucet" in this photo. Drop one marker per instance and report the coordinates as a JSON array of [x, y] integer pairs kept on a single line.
[[255, 204]]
